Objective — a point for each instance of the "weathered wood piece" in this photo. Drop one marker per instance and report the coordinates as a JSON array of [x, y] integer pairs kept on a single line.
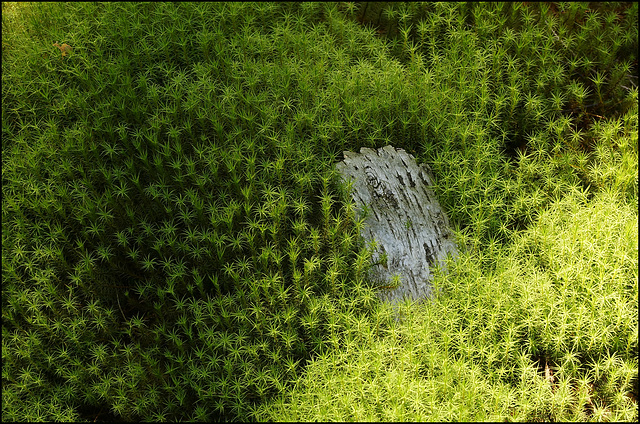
[[404, 219]]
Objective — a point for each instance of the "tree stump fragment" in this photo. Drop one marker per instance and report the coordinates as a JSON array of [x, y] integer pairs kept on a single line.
[[403, 217]]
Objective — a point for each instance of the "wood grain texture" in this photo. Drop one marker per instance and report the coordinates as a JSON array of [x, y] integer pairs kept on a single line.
[[404, 218]]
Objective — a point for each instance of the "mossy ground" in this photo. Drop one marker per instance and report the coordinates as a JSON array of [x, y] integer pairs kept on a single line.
[[177, 244]]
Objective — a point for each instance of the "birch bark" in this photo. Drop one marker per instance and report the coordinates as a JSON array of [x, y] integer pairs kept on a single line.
[[404, 219]]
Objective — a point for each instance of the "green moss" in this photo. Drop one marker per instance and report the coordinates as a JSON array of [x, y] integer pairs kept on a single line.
[[176, 244]]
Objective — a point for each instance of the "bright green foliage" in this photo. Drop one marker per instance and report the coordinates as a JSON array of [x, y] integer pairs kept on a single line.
[[176, 244], [564, 297]]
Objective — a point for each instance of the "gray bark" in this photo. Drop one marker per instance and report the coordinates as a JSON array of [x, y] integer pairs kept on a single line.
[[404, 219]]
